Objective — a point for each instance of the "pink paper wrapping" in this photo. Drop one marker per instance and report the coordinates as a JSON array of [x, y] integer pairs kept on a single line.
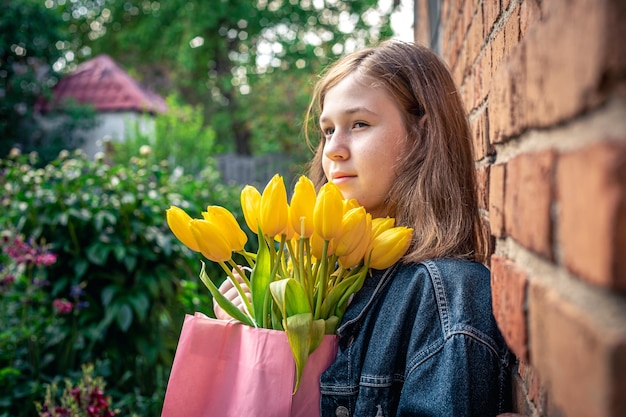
[[224, 369]]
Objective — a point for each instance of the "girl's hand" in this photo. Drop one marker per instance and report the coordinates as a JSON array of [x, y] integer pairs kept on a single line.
[[228, 289]]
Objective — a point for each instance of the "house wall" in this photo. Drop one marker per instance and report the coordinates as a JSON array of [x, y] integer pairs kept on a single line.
[[117, 126], [110, 126], [544, 87]]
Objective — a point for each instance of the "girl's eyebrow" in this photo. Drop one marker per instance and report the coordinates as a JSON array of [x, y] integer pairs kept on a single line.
[[353, 110]]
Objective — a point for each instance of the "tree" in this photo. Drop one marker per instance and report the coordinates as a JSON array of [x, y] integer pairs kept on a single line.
[[31, 36], [210, 51], [28, 33]]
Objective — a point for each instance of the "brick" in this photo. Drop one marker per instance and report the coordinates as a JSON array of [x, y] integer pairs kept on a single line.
[[580, 357], [497, 51], [467, 92], [480, 139], [485, 72], [530, 14], [508, 292], [491, 11], [528, 201], [496, 199], [512, 31], [562, 81], [591, 192], [475, 37], [507, 95], [482, 176]]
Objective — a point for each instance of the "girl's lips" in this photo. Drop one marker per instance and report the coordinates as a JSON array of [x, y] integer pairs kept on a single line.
[[339, 178]]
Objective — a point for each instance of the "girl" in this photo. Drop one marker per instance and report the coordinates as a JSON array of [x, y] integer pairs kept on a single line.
[[419, 339]]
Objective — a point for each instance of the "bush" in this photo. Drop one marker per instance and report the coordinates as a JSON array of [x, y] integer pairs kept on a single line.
[[116, 256]]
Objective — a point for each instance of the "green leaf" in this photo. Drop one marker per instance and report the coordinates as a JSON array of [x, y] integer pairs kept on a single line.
[[140, 304], [130, 262], [224, 302], [98, 253], [107, 295], [329, 305], [120, 252], [298, 329], [290, 297], [260, 280], [124, 317], [80, 267], [104, 218]]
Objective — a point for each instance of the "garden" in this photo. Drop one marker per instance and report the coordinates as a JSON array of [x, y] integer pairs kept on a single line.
[[94, 284]]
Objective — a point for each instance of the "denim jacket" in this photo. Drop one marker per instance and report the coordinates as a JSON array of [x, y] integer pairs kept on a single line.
[[419, 340]]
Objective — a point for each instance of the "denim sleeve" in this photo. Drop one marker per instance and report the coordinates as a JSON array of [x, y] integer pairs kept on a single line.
[[460, 377]]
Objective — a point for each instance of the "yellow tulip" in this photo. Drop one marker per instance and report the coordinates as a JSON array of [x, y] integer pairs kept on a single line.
[[380, 224], [328, 211], [358, 253], [251, 206], [229, 226], [352, 231], [301, 208], [274, 209], [317, 246], [178, 221], [288, 232], [211, 241], [389, 246], [350, 204]]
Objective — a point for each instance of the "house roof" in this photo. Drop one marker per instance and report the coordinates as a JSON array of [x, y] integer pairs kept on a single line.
[[107, 87]]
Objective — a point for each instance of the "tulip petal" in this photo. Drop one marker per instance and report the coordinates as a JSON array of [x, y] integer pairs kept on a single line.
[[273, 214], [213, 245], [328, 211], [178, 221], [251, 206], [230, 229], [301, 208]]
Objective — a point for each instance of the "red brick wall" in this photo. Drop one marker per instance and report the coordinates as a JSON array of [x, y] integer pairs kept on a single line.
[[544, 82]]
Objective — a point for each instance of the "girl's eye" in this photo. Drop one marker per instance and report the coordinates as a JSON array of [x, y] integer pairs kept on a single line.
[[359, 125], [328, 131]]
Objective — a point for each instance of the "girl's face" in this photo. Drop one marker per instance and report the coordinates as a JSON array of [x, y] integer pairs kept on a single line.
[[364, 135]]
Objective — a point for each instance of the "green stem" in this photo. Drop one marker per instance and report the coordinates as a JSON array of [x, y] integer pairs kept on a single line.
[[240, 272], [321, 280]]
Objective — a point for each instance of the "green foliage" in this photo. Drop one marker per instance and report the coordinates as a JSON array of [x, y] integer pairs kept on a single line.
[[180, 138], [106, 224], [31, 334], [29, 33], [207, 51]]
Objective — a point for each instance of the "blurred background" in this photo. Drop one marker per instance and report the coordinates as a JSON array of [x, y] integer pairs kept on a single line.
[[110, 112]]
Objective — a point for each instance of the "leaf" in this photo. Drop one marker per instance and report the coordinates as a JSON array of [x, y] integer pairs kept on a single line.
[[98, 253], [124, 317], [298, 329], [260, 280], [224, 302], [140, 304], [290, 297], [130, 262], [318, 329], [120, 252], [331, 301], [80, 267], [107, 295]]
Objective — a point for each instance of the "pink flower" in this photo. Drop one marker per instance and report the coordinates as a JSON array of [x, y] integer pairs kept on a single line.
[[62, 306], [46, 259]]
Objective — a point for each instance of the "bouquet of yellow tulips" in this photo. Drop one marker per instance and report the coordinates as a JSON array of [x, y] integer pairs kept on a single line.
[[313, 254]]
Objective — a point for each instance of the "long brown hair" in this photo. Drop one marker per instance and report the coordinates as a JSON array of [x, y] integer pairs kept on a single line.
[[435, 187]]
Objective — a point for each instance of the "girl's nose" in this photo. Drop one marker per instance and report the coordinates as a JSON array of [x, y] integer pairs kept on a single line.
[[336, 147]]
